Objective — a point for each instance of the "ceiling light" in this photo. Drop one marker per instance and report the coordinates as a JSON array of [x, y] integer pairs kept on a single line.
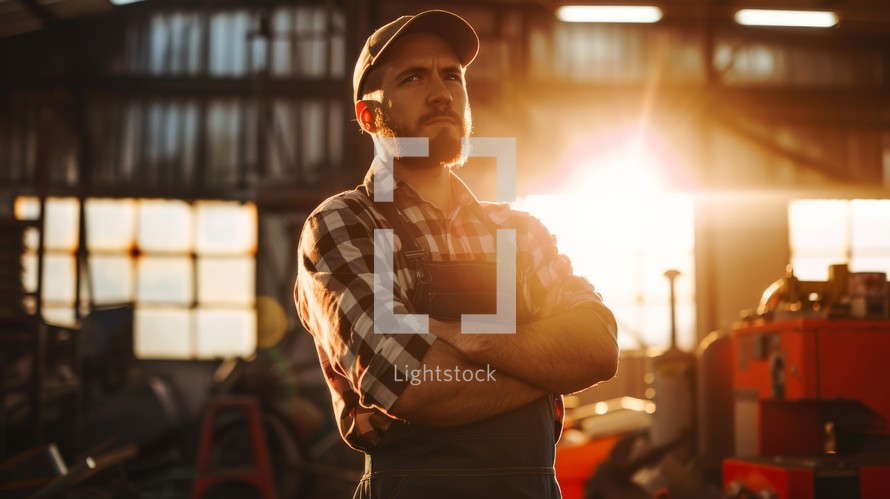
[[794, 18], [608, 14], [123, 2]]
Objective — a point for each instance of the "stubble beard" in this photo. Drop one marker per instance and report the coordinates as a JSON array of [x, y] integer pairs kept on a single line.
[[444, 149]]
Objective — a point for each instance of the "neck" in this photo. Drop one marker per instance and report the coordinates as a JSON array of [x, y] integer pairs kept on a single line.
[[434, 183]]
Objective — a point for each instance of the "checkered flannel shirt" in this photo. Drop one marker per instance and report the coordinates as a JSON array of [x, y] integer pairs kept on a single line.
[[334, 291]]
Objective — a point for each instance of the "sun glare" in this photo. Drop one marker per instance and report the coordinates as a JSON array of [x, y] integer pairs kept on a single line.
[[618, 220], [628, 169]]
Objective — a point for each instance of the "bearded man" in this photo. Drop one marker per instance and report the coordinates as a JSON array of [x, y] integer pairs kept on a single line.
[[438, 413]]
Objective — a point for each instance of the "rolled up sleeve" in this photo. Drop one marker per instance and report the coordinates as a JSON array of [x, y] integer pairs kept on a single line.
[[335, 297]]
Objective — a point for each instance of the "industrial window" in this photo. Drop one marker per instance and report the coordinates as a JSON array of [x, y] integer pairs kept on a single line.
[[189, 268], [745, 61], [613, 53], [613, 201], [831, 231], [625, 257], [286, 41]]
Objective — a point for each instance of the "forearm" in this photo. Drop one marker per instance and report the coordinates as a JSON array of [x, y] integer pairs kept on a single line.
[[562, 353], [445, 401]]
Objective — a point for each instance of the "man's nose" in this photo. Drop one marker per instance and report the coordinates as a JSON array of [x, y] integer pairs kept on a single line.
[[439, 94]]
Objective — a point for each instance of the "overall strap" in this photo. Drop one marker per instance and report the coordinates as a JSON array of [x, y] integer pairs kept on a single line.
[[410, 250]]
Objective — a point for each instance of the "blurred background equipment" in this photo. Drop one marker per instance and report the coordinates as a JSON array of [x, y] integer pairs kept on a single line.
[[12, 291], [28, 471], [811, 408], [255, 471], [799, 384], [661, 456], [674, 385]]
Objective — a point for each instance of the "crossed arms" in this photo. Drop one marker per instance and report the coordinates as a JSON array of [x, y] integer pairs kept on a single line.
[[562, 353], [569, 346]]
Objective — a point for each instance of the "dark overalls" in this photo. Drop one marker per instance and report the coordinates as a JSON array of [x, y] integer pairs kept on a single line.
[[507, 456]]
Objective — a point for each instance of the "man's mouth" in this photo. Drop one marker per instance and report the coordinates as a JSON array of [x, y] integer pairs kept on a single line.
[[441, 119]]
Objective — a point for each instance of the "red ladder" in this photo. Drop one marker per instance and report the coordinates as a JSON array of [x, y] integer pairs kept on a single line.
[[259, 474]]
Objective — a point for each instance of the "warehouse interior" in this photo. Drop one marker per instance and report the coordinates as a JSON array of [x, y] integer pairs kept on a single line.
[[158, 159]]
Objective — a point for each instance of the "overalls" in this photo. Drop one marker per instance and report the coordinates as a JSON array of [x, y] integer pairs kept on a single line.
[[507, 456]]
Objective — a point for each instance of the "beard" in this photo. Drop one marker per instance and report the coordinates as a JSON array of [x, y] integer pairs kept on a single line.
[[444, 148]]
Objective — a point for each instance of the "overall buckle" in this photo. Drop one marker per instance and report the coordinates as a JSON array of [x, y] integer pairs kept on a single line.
[[418, 254]]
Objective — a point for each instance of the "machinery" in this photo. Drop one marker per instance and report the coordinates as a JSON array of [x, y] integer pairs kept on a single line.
[[811, 406]]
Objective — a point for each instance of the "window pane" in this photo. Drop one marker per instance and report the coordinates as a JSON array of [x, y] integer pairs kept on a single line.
[[655, 324], [58, 279], [112, 278], [625, 254], [876, 264], [32, 238], [165, 280], [61, 229], [29, 265], [162, 333], [225, 333], [870, 225], [62, 316], [164, 226], [226, 280], [110, 224], [825, 229], [225, 228], [814, 268], [628, 314], [27, 208], [818, 225], [665, 220], [61, 223], [619, 278]]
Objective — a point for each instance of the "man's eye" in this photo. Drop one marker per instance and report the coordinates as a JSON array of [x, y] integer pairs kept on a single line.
[[411, 78], [453, 76]]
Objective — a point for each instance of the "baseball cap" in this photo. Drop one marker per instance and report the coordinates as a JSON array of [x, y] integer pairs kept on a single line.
[[452, 28]]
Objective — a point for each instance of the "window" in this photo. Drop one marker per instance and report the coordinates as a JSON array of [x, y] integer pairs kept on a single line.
[[614, 205], [623, 245], [189, 268], [831, 231]]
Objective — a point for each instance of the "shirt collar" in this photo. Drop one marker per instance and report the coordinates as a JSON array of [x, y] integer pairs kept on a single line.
[[462, 194]]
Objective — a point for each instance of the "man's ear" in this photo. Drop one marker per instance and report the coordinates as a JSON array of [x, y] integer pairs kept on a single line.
[[365, 116]]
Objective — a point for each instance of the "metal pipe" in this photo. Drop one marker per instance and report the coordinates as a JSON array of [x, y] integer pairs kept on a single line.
[[672, 275]]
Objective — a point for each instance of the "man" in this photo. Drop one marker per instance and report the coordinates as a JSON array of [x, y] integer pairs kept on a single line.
[[442, 414]]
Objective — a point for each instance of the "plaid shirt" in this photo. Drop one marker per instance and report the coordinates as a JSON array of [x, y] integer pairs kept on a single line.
[[335, 290]]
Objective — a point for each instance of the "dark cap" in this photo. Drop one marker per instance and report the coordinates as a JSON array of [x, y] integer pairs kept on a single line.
[[452, 28]]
